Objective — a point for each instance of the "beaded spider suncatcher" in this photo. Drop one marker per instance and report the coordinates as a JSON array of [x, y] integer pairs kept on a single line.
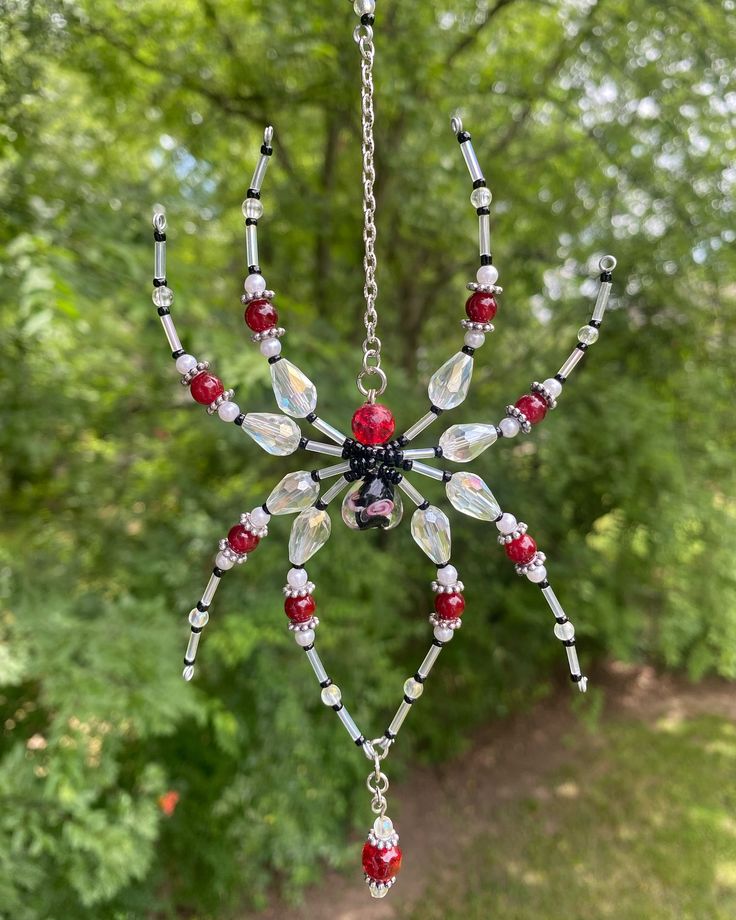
[[374, 465]]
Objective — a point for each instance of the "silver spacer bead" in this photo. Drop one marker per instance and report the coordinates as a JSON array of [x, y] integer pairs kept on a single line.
[[383, 843], [521, 528], [260, 532], [223, 397], [456, 588], [513, 412], [275, 332], [470, 326], [309, 588], [450, 624], [311, 623], [229, 552], [545, 394], [484, 288], [524, 568], [264, 295], [190, 375]]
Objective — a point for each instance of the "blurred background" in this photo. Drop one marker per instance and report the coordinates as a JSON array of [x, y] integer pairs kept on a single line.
[[602, 127]]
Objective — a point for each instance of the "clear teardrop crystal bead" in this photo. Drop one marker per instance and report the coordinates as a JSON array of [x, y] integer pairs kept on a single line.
[[295, 393], [462, 443], [431, 531], [295, 492], [309, 532], [449, 385], [470, 495], [276, 434]]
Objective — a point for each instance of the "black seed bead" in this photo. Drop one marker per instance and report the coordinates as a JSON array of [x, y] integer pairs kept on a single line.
[[389, 734], [407, 465], [606, 276], [482, 211], [326, 683], [407, 700], [252, 193], [479, 183], [443, 565], [178, 353], [576, 678], [203, 608], [159, 282], [350, 476], [544, 584], [560, 378], [359, 742], [159, 236], [367, 20], [254, 269], [315, 475], [498, 518], [397, 477], [239, 420], [303, 443], [446, 475], [308, 648], [582, 346], [595, 323], [463, 136], [295, 566], [424, 505], [438, 643], [486, 259], [266, 150], [187, 662], [320, 505], [499, 432], [562, 619], [419, 678], [163, 311], [436, 410], [311, 417], [568, 642], [438, 451], [467, 350], [403, 441], [265, 508], [274, 358], [338, 707], [197, 629], [251, 222]]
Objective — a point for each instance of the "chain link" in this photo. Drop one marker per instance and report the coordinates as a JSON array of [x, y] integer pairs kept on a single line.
[[363, 36]]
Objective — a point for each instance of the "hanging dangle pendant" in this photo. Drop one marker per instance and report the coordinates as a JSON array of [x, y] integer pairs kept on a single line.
[[381, 852]]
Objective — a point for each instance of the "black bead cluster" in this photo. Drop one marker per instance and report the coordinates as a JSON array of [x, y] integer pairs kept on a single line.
[[385, 461]]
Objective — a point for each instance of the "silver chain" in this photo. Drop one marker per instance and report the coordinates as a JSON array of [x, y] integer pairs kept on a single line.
[[363, 36]]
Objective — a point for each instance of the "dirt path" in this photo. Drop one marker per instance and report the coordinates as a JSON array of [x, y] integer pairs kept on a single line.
[[441, 811]]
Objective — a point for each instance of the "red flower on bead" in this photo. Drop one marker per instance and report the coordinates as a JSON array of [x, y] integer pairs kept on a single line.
[[449, 606], [205, 388], [521, 550], [481, 308], [373, 424], [381, 865], [299, 609], [261, 315], [533, 407], [242, 540]]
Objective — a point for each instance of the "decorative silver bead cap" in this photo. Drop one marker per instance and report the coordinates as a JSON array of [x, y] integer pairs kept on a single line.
[[223, 397], [379, 889], [545, 394], [470, 326], [259, 532], [229, 553], [523, 421], [290, 591], [448, 624], [521, 528], [275, 332], [457, 588], [197, 369], [536, 562], [484, 288], [264, 295], [311, 623]]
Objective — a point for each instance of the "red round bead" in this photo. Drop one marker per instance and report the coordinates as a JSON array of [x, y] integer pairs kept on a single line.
[[242, 540], [481, 308], [533, 407], [449, 606], [373, 424], [381, 865], [205, 388], [261, 315], [299, 609], [522, 549]]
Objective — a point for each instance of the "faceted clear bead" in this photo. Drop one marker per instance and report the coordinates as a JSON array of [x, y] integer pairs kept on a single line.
[[564, 631], [310, 532], [470, 495], [413, 689], [481, 197], [276, 434], [331, 695], [295, 393], [431, 531], [449, 385], [588, 335], [162, 296], [462, 443], [295, 492]]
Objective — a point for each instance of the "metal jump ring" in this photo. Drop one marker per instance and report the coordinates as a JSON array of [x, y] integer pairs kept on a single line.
[[607, 263], [371, 372], [377, 784], [362, 31], [159, 221], [456, 123]]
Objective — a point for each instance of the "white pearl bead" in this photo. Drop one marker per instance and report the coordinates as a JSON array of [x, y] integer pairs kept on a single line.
[[222, 562], [447, 575], [443, 633], [509, 426], [228, 411], [474, 339], [255, 284], [554, 386], [297, 578], [507, 523], [259, 517], [537, 575], [304, 637], [184, 363], [270, 348], [487, 274]]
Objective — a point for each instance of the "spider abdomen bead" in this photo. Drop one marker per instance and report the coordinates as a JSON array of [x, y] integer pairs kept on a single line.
[[300, 609], [242, 540], [521, 550], [205, 388], [533, 407], [260, 315], [481, 308], [449, 606]]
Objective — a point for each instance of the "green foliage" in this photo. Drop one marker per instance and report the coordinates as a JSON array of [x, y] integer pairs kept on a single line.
[[603, 127]]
